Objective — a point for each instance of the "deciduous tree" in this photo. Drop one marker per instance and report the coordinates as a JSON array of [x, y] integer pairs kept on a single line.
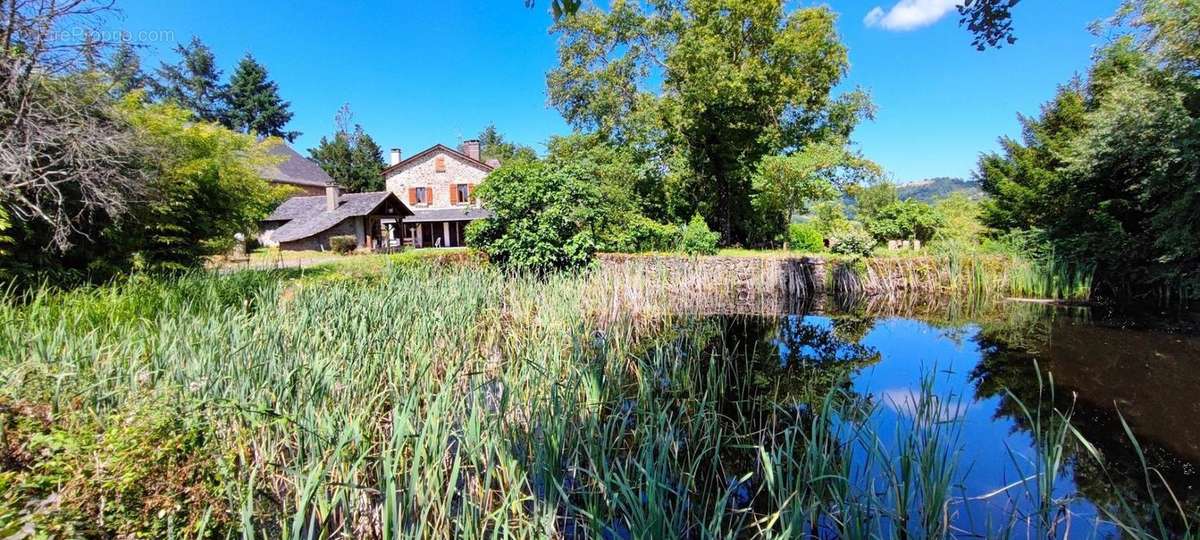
[[787, 184], [351, 157], [65, 155], [710, 87]]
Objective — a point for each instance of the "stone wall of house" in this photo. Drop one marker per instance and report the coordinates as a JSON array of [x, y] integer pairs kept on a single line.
[[424, 173], [320, 241]]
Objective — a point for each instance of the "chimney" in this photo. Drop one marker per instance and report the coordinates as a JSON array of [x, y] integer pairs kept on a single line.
[[395, 156], [332, 193], [470, 148]]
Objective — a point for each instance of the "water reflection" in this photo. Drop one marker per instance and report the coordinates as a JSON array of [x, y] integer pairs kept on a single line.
[[1001, 364]]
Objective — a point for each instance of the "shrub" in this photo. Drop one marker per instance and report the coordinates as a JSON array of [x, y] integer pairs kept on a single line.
[[641, 233], [805, 237], [144, 471], [697, 239], [544, 217], [342, 244], [852, 240]]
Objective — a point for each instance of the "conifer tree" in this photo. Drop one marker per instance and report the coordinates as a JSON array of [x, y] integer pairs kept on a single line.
[[254, 102], [125, 70], [194, 82]]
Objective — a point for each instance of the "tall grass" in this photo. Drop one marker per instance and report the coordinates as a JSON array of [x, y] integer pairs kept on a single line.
[[436, 402], [1055, 279]]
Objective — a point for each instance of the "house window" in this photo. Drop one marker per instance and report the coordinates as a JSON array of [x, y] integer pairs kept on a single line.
[[439, 164], [464, 193], [422, 195]]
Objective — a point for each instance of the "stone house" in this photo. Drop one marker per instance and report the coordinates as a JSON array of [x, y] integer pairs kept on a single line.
[[428, 203], [438, 186], [308, 223]]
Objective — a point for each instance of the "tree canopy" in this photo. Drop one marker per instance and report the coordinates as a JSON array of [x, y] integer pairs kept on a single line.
[[704, 90], [1110, 169], [493, 145], [351, 157]]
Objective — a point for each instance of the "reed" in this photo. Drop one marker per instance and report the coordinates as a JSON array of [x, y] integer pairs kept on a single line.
[[435, 401]]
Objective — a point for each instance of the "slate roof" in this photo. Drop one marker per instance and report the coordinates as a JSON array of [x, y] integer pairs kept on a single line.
[[485, 167], [307, 216], [448, 214], [295, 169]]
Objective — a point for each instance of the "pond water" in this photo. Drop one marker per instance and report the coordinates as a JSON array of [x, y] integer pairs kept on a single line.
[[995, 368]]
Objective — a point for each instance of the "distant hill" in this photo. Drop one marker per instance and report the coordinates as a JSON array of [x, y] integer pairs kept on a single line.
[[934, 188]]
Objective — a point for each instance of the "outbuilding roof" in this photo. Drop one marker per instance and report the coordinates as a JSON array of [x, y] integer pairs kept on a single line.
[[308, 215], [295, 169]]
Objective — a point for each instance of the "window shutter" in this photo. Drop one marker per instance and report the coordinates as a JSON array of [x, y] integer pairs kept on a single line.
[[454, 194], [471, 193], [412, 195], [428, 194], [439, 164]]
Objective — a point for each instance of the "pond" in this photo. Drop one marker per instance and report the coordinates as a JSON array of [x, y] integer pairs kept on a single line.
[[996, 373]]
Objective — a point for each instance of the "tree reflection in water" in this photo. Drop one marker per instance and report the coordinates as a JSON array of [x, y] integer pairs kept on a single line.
[[752, 378], [1103, 372]]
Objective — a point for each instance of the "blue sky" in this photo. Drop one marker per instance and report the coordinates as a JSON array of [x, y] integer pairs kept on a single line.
[[418, 73]]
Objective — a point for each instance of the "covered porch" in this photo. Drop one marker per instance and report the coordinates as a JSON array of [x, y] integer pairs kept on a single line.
[[439, 228], [436, 234]]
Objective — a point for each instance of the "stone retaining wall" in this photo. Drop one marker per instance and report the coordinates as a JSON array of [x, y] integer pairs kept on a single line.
[[780, 283]]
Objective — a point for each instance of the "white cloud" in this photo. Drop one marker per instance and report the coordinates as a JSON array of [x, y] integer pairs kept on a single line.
[[909, 14]]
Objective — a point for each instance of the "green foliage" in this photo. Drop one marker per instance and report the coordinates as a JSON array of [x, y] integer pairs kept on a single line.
[[785, 185], [351, 158], [697, 239], [730, 94], [960, 218], [545, 217], [492, 145], [199, 186], [870, 199], [641, 233], [144, 471], [1019, 181], [125, 71], [5, 225], [254, 103], [1110, 168], [852, 240], [343, 244], [829, 216], [207, 188], [904, 220], [193, 83], [805, 237], [990, 22]]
